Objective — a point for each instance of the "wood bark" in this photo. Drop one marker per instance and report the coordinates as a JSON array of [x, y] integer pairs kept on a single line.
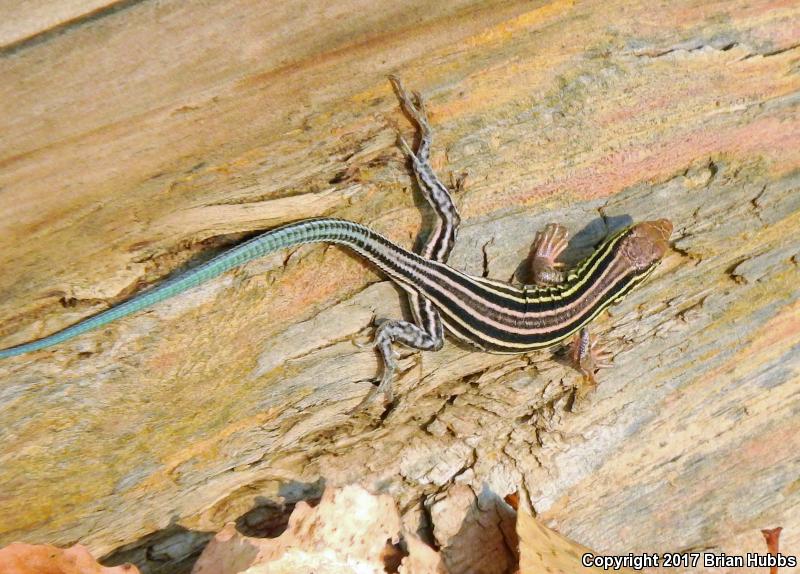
[[140, 137]]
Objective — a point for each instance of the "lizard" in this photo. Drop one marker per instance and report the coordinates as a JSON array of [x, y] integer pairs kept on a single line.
[[492, 315]]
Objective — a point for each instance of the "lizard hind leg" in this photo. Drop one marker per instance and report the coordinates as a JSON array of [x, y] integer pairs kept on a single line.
[[392, 331], [441, 239], [427, 331], [547, 246], [414, 106]]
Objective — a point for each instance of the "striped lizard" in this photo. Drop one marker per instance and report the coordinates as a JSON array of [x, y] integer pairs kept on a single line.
[[495, 316]]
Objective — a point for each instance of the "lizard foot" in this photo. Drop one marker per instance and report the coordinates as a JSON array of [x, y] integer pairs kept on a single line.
[[588, 356], [548, 245]]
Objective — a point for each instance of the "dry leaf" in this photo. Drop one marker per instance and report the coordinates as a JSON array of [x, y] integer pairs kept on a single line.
[[421, 559], [545, 550], [350, 531], [772, 537], [19, 558], [471, 531]]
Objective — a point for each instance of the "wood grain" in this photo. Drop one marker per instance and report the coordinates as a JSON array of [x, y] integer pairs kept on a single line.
[[151, 135], [24, 23]]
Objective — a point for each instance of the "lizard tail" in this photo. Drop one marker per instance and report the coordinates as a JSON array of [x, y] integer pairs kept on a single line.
[[327, 230]]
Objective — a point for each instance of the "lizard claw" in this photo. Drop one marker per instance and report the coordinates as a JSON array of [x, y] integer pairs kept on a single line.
[[381, 386], [458, 183], [589, 356], [406, 148], [547, 246]]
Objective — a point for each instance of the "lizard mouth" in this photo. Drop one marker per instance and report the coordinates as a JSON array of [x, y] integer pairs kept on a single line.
[[657, 231], [648, 242], [663, 227]]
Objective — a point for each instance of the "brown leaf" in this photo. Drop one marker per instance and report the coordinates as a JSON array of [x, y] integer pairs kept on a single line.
[[772, 538], [421, 559], [544, 550], [349, 531], [19, 558], [469, 529], [512, 500]]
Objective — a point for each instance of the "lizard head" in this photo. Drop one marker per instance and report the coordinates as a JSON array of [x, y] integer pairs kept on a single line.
[[646, 243]]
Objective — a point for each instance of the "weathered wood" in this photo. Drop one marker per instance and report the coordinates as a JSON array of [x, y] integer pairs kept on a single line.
[[24, 23], [143, 136]]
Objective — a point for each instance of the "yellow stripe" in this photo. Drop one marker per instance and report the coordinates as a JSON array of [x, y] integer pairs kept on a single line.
[[479, 336], [594, 258]]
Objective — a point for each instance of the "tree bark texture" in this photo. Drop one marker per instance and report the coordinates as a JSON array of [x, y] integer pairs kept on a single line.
[[140, 137]]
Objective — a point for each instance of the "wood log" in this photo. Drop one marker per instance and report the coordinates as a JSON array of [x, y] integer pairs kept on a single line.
[[141, 137]]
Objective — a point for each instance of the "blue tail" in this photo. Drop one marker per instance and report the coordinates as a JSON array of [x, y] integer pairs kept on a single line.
[[308, 231]]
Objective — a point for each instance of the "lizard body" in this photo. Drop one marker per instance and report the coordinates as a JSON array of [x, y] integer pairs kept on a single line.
[[493, 315]]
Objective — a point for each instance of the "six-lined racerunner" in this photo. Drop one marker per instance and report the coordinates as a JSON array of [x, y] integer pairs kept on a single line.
[[495, 316]]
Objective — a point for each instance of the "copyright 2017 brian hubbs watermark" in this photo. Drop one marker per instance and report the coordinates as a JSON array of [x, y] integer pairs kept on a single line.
[[687, 560]]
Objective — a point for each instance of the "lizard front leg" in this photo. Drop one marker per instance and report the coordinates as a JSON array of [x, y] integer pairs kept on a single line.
[[547, 246], [587, 356]]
